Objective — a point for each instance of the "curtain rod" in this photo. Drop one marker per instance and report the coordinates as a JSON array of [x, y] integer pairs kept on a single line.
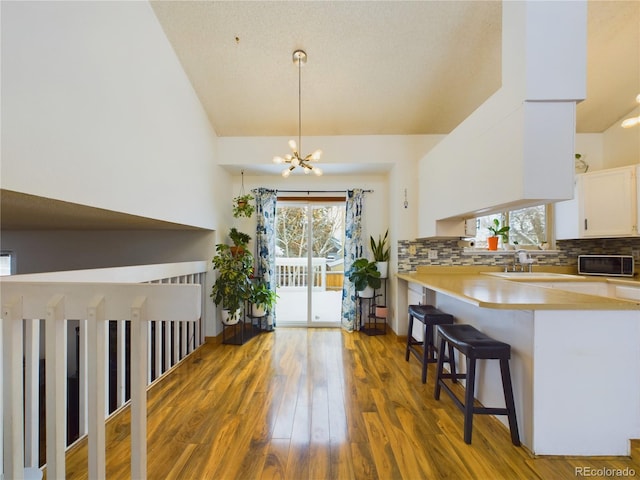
[[318, 191]]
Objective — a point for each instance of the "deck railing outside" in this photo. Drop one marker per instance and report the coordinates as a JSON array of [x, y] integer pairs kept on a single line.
[[293, 272], [159, 306]]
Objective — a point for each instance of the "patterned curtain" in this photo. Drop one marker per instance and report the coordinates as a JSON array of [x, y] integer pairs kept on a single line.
[[352, 251], [266, 244]]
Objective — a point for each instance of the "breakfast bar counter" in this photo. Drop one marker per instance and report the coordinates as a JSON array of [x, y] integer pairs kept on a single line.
[[488, 291], [575, 357]]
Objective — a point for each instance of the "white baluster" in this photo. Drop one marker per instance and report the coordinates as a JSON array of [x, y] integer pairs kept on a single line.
[[12, 427], [97, 341], [158, 351], [83, 379], [121, 362], [32, 392], [167, 345], [139, 369], [56, 383]]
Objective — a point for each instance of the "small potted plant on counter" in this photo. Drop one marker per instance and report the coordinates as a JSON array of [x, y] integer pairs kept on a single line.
[[365, 276], [497, 231]]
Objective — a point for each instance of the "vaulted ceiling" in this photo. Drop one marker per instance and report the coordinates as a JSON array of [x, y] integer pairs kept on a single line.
[[388, 67]]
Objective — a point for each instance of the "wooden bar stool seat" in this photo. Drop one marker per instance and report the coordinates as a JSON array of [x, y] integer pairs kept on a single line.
[[429, 316], [475, 345]]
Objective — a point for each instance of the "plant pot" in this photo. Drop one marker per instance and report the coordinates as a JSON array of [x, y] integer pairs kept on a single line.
[[382, 311], [242, 203], [231, 319], [366, 293], [383, 268], [258, 310], [493, 243], [236, 251]]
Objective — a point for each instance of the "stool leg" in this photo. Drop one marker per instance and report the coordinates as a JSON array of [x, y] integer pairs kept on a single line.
[[468, 402], [406, 355], [425, 350], [509, 402], [452, 363], [436, 392]]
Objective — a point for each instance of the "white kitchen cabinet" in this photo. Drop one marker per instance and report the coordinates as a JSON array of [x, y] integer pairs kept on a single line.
[[604, 205]]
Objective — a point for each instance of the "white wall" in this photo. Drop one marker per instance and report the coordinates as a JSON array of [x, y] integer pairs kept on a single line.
[[622, 145], [517, 148], [97, 110]]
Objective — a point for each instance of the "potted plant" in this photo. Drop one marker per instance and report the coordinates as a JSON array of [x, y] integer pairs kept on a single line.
[[498, 231], [242, 206], [233, 285], [381, 254], [365, 276], [262, 298], [240, 241]]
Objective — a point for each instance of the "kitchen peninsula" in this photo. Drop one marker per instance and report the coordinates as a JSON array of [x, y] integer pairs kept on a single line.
[[575, 361]]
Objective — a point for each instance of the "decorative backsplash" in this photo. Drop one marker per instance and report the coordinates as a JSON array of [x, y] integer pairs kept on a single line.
[[566, 253]]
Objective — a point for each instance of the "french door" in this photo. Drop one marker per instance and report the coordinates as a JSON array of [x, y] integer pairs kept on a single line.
[[309, 262]]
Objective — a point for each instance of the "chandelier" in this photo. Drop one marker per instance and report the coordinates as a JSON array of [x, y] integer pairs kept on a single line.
[[630, 122], [295, 159]]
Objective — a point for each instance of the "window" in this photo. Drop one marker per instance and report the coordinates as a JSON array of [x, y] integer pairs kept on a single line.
[[528, 226], [7, 263]]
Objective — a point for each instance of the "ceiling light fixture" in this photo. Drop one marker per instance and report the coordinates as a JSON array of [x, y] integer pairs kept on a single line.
[[295, 160], [630, 122]]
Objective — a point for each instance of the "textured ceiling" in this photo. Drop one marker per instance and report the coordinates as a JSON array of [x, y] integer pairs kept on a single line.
[[375, 67], [399, 67]]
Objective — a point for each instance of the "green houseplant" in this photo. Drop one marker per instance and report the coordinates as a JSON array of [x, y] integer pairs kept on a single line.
[[381, 253], [262, 298], [240, 241], [497, 231], [242, 206], [233, 285], [365, 276]]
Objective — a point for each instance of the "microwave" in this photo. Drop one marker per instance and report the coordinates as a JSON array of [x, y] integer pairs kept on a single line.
[[610, 265]]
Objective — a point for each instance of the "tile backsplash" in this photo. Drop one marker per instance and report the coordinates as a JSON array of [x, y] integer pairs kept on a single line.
[[566, 253]]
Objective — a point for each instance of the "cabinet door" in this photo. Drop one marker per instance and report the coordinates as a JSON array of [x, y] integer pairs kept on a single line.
[[566, 216], [608, 206]]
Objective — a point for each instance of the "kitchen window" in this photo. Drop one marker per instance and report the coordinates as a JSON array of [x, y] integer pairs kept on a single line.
[[529, 226]]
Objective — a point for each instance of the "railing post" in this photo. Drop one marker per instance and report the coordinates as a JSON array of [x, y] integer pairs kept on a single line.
[[32, 392], [83, 378], [97, 386], [13, 436], [121, 361], [139, 359], [56, 385]]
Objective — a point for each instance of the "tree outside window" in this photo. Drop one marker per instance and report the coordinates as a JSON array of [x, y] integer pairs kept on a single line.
[[528, 226]]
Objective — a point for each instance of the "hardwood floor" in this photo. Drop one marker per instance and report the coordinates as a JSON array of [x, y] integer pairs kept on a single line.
[[318, 404]]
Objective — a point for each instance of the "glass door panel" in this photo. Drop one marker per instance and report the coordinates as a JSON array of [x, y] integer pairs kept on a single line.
[[327, 249], [309, 257]]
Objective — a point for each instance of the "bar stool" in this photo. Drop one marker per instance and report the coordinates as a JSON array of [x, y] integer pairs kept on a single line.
[[429, 316], [475, 345]]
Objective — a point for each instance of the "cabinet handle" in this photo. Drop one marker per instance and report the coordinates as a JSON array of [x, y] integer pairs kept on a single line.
[[585, 224]]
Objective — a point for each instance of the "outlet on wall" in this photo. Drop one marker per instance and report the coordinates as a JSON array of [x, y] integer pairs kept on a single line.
[[412, 250], [433, 254]]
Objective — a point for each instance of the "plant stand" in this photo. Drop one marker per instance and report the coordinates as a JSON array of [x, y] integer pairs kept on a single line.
[[243, 331], [368, 321]]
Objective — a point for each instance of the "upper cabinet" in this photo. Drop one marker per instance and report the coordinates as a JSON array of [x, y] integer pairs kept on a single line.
[[605, 205]]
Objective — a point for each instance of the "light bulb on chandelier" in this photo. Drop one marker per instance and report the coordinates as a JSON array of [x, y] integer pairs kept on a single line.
[[296, 160]]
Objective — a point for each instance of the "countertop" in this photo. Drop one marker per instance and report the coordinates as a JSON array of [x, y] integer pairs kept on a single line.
[[470, 285]]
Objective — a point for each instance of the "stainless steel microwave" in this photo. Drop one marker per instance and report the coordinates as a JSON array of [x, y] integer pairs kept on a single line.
[[610, 265]]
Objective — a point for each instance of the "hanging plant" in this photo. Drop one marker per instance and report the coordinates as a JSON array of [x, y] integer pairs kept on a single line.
[[242, 206]]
